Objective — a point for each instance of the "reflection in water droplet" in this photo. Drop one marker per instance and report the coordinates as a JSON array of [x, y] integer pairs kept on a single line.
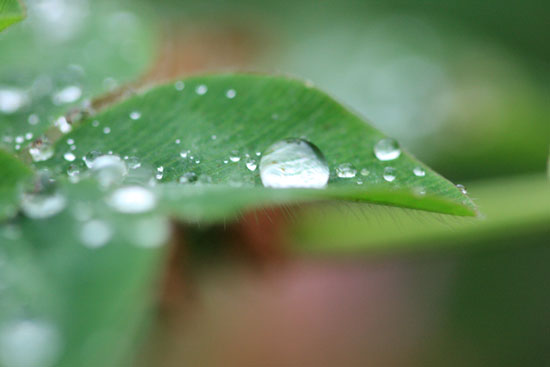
[[41, 150], [135, 115], [389, 174], [462, 189], [294, 163], [231, 93], [251, 164], [29, 343], [387, 149], [201, 89], [95, 233], [419, 172], [132, 199], [346, 170], [108, 170], [67, 95], [69, 157], [11, 100]]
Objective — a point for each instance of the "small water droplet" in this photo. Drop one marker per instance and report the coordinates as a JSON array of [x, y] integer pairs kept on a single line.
[[132, 200], [179, 85], [90, 157], [294, 163], [389, 174], [70, 141], [231, 93], [41, 150], [419, 191], [365, 172], [201, 89], [11, 100], [28, 136], [19, 139], [69, 157], [178, 141], [234, 156], [133, 162], [95, 233], [67, 95], [160, 173], [251, 164], [419, 172], [387, 149], [73, 171], [95, 123], [462, 189], [106, 130], [188, 177], [63, 125], [184, 153], [135, 115], [346, 170], [29, 343], [213, 137]]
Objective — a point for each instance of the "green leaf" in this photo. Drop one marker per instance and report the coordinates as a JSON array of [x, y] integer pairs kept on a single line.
[[12, 174], [266, 109], [516, 206], [94, 298], [11, 12], [52, 66]]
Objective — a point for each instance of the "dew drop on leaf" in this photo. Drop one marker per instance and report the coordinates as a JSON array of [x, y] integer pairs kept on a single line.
[[389, 174], [462, 189], [41, 199], [231, 93], [41, 150], [108, 170], [69, 157], [387, 149], [132, 200], [11, 100], [95, 233], [135, 115], [419, 172], [294, 163], [201, 89], [346, 170]]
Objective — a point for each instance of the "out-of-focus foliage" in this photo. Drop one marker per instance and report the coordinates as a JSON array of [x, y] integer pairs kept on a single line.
[[11, 12]]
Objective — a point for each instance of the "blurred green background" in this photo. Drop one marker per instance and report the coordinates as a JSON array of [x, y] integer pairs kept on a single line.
[[463, 86]]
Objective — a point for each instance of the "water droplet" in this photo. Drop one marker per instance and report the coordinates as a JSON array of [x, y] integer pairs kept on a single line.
[[73, 171], [188, 177], [67, 95], [213, 137], [462, 189], [251, 164], [29, 343], [179, 85], [41, 199], [135, 115], [419, 191], [90, 157], [69, 157], [419, 172], [160, 173], [11, 100], [33, 119], [63, 125], [70, 141], [41, 150], [95, 123], [234, 156], [294, 163], [95, 233], [178, 141], [108, 170], [387, 149], [346, 170], [28, 136], [106, 130], [201, 89], [19, 139], [231, 93], [184, 153], [365, 172], [389, 174], [132, 200]]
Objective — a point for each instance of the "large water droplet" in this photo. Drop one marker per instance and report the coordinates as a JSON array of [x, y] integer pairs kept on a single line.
[[109, 170], [346, 170], [11, 100], [132, 199], [419, 172], [29, 343], [41, 150], [389, 174], [294, 163], [95, 233], [387, 149], [41, 199]]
